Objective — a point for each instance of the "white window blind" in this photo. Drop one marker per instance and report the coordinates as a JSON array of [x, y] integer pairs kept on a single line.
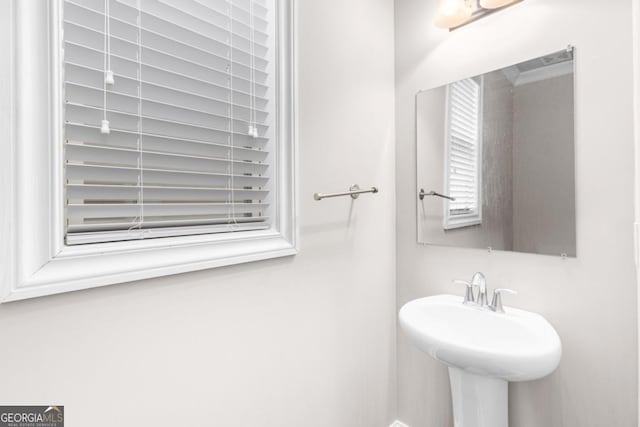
[[464, 153], [168, 117]]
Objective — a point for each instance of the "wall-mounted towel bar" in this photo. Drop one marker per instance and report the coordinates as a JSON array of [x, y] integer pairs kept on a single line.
[[354, 192], [421, 195]]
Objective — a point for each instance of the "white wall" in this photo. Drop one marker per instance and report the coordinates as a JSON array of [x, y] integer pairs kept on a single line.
[[636, 73], [590, 300], [304, 341]]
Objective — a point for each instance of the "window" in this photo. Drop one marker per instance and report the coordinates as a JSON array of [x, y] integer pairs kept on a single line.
[[167, 144], [464, 154], [167, 121]]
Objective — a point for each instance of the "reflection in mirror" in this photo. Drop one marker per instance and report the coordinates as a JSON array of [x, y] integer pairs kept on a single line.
[[496, 159]]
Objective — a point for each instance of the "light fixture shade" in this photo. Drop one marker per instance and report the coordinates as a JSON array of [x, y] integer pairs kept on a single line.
[[495, 4], [452, 13]]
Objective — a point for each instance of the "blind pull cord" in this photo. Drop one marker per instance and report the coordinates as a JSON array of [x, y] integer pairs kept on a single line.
[[108, 74], [231, 181], [140, 130], [253, 128]]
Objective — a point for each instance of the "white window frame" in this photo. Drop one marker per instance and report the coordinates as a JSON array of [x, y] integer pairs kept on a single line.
[[450, 222], [34, 261]]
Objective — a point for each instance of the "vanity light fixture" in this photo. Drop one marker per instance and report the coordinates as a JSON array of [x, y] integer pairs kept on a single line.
[[456, 13], [453, 13], [495, 4]]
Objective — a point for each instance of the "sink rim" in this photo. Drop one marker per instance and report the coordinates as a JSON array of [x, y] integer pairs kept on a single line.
[[518, 364]]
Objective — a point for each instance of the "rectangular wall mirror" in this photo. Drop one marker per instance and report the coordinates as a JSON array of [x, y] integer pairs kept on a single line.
[[496, 159]]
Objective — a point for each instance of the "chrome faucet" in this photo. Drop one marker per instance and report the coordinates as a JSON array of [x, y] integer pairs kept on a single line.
[[478, 280]]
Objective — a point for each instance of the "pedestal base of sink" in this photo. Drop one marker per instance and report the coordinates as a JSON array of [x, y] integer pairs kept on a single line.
[[478, 401]]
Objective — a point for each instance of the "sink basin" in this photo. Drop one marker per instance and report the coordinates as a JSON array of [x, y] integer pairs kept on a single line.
[[483, 350], [515, 346]]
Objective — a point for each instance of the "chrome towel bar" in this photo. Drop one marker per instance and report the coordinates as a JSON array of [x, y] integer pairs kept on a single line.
[[421, 195], [354, 192]]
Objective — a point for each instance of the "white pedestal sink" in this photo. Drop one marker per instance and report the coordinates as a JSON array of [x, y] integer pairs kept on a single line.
[[483, 350]]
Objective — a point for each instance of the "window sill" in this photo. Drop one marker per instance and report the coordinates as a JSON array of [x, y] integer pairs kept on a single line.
[[75, 268], [461, 223]]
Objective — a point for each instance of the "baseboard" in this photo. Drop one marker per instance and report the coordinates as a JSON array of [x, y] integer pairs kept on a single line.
[[397, 423]]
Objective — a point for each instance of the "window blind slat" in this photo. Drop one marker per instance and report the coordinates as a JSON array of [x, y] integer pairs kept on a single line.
[[115, 210], [461, 163], [128, 157], [155, 229], [468, 145], [463, 175], [91, 135], [223, 224], [124, 175], [159, 194]]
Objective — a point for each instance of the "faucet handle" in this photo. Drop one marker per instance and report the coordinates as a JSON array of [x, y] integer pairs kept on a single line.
[[496, 300], [468, 294]]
